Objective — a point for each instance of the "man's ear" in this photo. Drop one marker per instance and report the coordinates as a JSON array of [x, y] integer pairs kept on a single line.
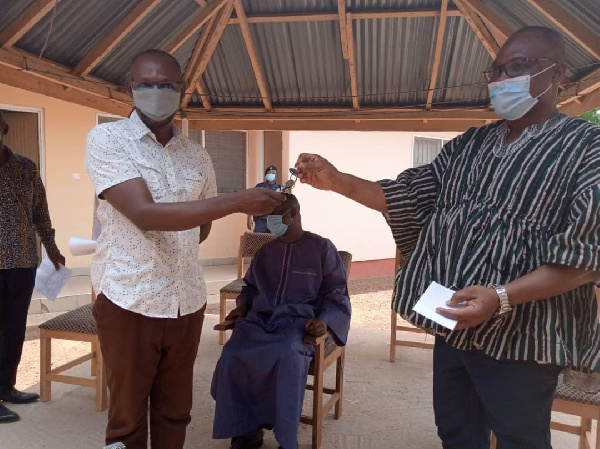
[[5, 129], [559, 72]]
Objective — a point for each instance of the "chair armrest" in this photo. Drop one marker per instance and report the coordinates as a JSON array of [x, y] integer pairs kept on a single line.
[[225, 325], [315, 341]]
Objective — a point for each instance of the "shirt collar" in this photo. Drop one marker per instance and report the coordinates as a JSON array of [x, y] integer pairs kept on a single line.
[[139, 129]]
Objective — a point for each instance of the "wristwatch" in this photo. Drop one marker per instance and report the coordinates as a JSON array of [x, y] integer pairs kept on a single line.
[[505, 306]]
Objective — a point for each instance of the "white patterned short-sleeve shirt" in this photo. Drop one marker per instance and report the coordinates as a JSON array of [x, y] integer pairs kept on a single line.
[[154, 273]]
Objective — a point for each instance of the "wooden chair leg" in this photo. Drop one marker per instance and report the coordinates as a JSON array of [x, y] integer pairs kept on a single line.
[[222, 315], [101, 387], [339, 383], [393, 336], [317, 429], [45, 367], [94, 361]]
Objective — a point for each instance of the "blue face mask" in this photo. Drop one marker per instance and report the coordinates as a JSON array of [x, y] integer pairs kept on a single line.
[[276, 225], [511, 98], [270, 177]]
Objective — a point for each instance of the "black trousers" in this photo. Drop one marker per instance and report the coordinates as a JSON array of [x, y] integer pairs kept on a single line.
[[16, 287]]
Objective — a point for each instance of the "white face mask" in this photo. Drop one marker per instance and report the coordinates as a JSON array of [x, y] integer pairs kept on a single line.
[[511, 97], [157, 104]]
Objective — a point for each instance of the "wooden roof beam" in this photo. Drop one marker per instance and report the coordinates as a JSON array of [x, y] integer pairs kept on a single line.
[[202, 3], [479, 27], [578, 90], [586, 103], [330, 17], [25, 21], [343, 23], [439, 43], [99, 52], [212, 8], [203, 96], [352, 63], [493, 21], [569, 25], [258, 73], [194, 71]]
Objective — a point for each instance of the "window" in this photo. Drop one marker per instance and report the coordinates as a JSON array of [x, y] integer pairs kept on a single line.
[[227, 150], [426, 149], [100, 119]]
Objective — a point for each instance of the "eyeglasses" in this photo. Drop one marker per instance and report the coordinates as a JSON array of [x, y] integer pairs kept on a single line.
[[291, 182], [162, 86], [513, 68]]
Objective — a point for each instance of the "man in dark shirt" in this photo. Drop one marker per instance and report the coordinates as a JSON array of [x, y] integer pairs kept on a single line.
[[23, 212], [260, 221]]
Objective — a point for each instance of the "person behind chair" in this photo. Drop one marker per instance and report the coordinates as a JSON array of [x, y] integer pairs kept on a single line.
[[260, 379], [23, 214], [260, 221]]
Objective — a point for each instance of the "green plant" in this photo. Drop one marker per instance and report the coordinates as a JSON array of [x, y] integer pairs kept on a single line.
[[592, 116]]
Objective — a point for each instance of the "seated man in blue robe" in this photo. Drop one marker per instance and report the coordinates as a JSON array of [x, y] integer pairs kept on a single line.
[[296, 285]]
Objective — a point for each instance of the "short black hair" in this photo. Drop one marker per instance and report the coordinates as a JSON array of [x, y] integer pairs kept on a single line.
[[554, 38], [154, 52], [269, 168]]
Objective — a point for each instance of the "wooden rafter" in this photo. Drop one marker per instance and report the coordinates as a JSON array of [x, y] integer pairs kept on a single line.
[[212, 8], [25, 63], [258, 73], [585, 104], [198, 51], [439, 44], [25, 21], [479, 27], [195, 71], [497, 25], [569, 25], [98, 53], [202, 3], [203, 96], [330, 17], [585, 86], [352, 63], [343, 24]]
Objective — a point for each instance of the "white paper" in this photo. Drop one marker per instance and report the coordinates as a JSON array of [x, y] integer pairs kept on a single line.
[[81, 247], [50, 282], [436, 296]]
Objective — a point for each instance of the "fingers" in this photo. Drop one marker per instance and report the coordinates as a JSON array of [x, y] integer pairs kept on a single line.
[[461, 296], [457, 314]]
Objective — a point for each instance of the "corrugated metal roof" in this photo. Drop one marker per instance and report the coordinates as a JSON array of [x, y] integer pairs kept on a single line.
[[73, 33], [394, 55], [10, 10], [519, 13], [229, 77], [464, 58], [288, 7], [155, 31], [302, 61]]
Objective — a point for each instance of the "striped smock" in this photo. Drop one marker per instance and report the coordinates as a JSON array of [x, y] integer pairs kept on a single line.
[[486, 212]]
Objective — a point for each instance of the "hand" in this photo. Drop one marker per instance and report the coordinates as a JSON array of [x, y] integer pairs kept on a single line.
[[239, 312], [57, 259], [249, 222], [482, 304], [316, 171], [316, 327], [258, 201]]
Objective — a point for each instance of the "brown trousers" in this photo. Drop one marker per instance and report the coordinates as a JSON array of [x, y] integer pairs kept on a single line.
[[147, 359]]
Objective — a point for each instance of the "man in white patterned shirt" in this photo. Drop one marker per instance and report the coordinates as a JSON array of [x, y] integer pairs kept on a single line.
[[160, 199]]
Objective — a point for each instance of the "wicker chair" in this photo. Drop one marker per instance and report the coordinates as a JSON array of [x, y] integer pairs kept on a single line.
[[77, 325], [395, 328], [250, 243], [573, 401], [327, 352]]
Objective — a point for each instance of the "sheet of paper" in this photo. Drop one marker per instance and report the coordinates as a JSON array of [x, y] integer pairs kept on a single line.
[[435, 296], [81, 247], [50, 282]]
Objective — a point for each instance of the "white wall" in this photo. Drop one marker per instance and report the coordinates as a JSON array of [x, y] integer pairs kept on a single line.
[[369, 155]]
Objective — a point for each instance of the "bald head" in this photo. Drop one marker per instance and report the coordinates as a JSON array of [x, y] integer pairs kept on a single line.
[[543, 42], [156, 56]]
